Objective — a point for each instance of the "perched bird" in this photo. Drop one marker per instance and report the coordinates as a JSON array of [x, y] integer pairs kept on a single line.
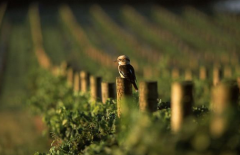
[[126, 70]]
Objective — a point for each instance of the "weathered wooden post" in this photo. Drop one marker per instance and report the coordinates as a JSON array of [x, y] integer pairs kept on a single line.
[[63, 68], [175, 73], [55, 70], [95, 88], [108, 91], [148, 96], [124, 90], [217, 75], [227, 72], [181, 103], [70, 77], [224, 98], [203, 73], [84, 81], [76, 87], [188, 75]]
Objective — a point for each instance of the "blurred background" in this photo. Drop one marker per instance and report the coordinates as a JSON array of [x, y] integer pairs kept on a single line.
[[164, 39]]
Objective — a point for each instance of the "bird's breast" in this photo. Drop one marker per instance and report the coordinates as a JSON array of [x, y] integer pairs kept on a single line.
[[121, 75]]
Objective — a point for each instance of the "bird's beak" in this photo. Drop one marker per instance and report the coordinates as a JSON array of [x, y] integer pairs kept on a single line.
[[115, 61]]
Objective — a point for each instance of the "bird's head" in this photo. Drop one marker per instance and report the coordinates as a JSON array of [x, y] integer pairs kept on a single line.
[[123, 60]]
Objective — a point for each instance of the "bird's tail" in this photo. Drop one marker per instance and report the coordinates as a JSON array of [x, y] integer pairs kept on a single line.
[[135, 86]]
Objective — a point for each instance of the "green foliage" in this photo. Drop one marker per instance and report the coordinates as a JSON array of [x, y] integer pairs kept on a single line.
[[79, 126], [72, 120]]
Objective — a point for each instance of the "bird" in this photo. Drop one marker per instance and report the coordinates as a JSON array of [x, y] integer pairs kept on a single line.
[[126, 70]]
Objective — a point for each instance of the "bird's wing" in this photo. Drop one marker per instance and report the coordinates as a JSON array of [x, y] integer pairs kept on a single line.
[[133, 72], [128, 72]]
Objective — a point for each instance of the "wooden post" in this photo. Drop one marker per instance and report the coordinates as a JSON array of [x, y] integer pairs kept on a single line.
[[181, 103], [95, 88], [224, 97], [63, 68], [227, 72], [55, 70], [203, 73], [175, 73], [84, 81], [124, 90], [148, 95], [108, 91], [217, 75], [76, 82], [70, 76], [188, 75]]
